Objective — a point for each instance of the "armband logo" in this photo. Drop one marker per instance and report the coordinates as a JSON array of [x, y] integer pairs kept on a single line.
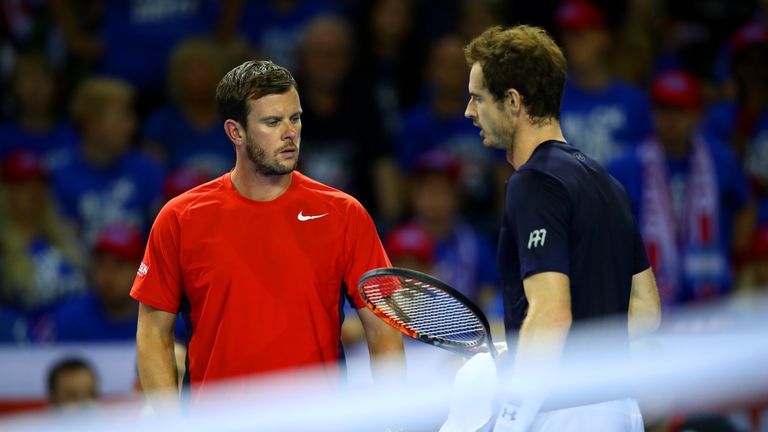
[[536, 238], [143, 269]]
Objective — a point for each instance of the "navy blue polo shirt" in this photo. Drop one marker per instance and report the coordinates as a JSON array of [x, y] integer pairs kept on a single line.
[[564, 213]]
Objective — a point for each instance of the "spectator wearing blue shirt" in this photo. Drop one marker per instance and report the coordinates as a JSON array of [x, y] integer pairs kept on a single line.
[[106, 181], [345, 146], [599, 114], [275, 28], [743, 122], [463, 257], [689, 195], [132, 39], [107, 312], [35, 124], [439, 123], [188, 133], [41, 259]]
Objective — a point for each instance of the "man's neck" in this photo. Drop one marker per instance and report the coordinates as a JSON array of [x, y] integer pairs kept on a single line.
[[258, 187], [529, 136]]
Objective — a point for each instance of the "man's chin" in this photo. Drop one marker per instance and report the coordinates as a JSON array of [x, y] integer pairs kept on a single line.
[[491, 144]]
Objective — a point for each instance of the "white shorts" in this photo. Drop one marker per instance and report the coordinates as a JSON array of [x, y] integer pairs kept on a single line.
[[614, 416]]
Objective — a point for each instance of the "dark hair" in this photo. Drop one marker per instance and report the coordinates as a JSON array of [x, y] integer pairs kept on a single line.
[[68, 364], [524, 58], [250, 80]]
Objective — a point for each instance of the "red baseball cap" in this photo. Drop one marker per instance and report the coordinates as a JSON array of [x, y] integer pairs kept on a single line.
[[676, 88], [22, 165], [182, 180], [750, 34], [437, 161], [123, 241], [577, 15], [410, 240]]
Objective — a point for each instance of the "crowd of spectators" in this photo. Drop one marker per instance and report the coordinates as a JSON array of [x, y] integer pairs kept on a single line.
[[108, 111]]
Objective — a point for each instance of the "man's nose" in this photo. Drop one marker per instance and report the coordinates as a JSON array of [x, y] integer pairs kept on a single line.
[[469, 112]]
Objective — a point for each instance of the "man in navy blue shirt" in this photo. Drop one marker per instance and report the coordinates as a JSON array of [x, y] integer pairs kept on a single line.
[[569, 247]]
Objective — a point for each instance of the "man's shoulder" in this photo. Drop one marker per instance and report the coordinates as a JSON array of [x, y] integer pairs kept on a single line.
[[552, 159], [209, 192], [313, 189]]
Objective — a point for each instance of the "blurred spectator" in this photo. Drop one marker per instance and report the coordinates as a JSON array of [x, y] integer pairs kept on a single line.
[[599, 114], [410, 246], [638, 42], [475, 16], [24, 26], [106, 181], [107, 312], [463, 257], [13, 326], [188, 132], [754, 278], [439, 123], [72, 384], [343, 144], [275, 27], [744, 121], [41, 261], [131, 40], [35, 124], [388, 53], [689, 195]]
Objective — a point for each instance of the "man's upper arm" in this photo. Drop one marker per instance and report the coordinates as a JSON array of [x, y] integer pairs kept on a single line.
[[644, 303], [549, 297], [381, 337], [154, 321], [363, 250], [158, 279], [538, 209]]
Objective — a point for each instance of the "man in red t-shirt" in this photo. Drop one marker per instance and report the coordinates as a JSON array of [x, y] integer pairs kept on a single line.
[[259, 260]]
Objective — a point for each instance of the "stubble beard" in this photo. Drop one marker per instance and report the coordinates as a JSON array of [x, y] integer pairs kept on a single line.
[[502, 139], [265, 165]]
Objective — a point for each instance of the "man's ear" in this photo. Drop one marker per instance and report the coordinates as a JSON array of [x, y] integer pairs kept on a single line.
[[514, 101], [235, 132]]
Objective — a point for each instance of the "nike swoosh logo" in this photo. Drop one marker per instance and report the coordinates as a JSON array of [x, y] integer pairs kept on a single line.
[[306, 218]]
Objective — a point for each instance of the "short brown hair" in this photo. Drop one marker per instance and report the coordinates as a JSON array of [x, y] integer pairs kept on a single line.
[[524, 58], [250, 80], [95, 94]]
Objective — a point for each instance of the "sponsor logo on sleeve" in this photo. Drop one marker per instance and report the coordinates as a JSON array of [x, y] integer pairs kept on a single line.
[[537, 237], [143, 269]]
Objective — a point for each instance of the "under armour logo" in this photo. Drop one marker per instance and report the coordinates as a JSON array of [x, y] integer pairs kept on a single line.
[[537, 238], [511, 414]]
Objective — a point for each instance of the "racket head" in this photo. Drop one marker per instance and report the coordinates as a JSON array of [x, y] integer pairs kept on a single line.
[[426, 309]]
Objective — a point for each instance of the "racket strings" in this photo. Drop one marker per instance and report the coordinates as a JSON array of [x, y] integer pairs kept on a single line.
[[425, 309]]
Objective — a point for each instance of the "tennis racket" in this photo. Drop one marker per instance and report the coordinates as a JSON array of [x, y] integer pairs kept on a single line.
[[426, 309]]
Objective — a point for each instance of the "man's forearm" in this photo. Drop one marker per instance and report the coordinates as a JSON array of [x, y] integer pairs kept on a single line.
[[157, 369], [387, 357], [540, 343]]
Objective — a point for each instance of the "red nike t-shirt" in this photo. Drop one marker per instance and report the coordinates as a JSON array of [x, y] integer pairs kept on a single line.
[[260, 282]]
